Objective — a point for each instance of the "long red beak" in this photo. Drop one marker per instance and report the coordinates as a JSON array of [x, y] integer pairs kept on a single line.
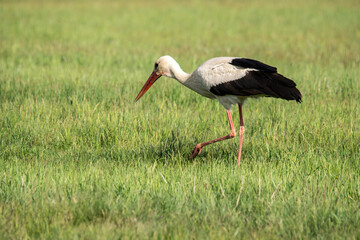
[[153, 77]]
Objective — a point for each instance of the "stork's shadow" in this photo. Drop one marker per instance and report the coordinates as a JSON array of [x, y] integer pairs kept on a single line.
[[176, 149], [173, 150]]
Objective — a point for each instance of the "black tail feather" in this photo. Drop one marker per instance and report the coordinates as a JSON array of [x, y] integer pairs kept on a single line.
[[284, 87]]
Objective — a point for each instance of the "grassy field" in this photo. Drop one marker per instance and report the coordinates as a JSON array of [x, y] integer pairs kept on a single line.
[[80, 160]]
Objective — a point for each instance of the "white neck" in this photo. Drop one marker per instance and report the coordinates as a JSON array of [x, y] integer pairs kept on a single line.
[[179, 74], [188, 80]]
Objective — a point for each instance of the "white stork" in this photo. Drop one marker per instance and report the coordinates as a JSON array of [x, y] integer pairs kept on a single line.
[[231, 80]]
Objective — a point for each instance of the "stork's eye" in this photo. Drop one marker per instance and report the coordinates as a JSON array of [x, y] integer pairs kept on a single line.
[[156, 65]]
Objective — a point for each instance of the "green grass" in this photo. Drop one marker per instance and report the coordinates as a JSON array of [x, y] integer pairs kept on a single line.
[[80, 160]]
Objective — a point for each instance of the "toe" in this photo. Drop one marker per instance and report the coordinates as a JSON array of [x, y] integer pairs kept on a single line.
[[196, 151]]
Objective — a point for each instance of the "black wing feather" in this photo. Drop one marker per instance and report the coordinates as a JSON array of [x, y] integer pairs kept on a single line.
[[250, 63], [260, 83]]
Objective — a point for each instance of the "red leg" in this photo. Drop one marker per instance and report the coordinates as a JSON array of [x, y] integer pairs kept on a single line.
[[241, 134], [232, 134]]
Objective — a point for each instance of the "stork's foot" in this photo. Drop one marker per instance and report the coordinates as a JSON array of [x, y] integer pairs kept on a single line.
[[196, 151]]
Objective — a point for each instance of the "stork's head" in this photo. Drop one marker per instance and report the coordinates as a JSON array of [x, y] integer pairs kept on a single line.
[[162, 67]]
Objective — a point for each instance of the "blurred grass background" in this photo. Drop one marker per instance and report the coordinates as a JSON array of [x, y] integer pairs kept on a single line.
[[79, 159]]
